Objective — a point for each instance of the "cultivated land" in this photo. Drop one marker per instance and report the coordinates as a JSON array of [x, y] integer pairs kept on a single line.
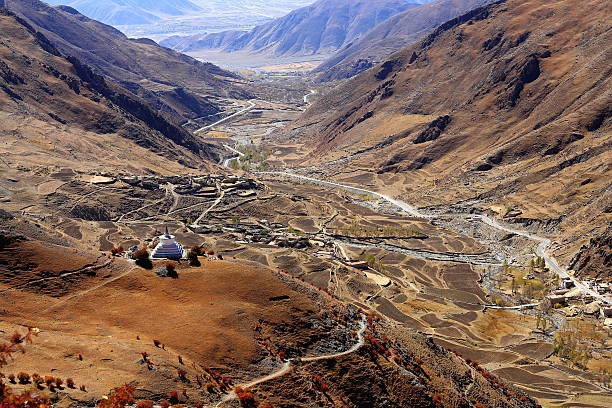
[[444, 277], [322, 278]]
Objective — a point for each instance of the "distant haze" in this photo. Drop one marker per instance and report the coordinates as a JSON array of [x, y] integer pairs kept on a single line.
[[159, 18]]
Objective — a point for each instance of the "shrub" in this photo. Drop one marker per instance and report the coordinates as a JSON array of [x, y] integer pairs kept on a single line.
[[11, 378], [220, 257], [193, 259], [210, 253], [156, 343], [82, 388], [23, 378], [59, 382], [246, 398], [211, 387], [37, 380], [119, 397], [145, 404], [173, 397], [182, 374], [49, 380], [142, 258], [437, 398], [164, 404], [117, 251], [69, 382]]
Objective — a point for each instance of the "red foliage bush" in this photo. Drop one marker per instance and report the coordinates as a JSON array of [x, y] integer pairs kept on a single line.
[[82, 388], [173, 397], [246, 398], [117, 251], [182, 374], [164, 404], [11, 378], [145, 404], [70, 382], [156, 343], [119, 397]]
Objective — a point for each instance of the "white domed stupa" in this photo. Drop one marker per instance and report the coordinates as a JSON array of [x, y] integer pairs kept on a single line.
[[168, 248]]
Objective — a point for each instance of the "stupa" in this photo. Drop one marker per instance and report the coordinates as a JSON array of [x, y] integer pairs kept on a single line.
[[168, 248]]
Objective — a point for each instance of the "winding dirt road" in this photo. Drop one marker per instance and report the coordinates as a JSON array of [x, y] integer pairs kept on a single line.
[[286, 367]]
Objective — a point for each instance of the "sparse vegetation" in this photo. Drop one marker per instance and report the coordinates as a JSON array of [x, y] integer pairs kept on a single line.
[[119, 397], [117, 251], [192, 256], [142, 258]]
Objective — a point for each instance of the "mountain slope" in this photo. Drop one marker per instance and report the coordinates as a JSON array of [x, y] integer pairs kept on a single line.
[[128, 12], [155, 73], [58, 104], [390, 36], [321, 28], [504, 109]]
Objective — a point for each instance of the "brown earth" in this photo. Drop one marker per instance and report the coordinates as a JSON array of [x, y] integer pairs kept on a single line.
[[180, 86], [505, 108], [68, 107]]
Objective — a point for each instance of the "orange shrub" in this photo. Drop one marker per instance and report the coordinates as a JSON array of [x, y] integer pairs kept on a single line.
[[145, 404], [117, 251], [119, 397], [69, 382], [246, 398]]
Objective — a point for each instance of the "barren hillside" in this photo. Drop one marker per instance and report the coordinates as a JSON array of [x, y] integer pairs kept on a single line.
[[65, 105], [390, 36], [173, 83], [505, 109]]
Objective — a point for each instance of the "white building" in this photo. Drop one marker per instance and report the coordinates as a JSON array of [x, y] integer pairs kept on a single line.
[[168, 248]]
